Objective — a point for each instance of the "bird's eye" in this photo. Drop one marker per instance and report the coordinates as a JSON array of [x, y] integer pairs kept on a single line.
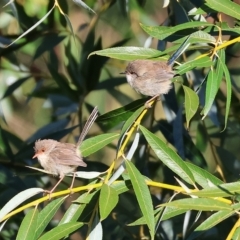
[[133, 73], [43, 150]]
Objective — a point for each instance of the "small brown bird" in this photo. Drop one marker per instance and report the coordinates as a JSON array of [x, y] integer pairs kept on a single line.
[[148, 77], [153, 78], [62, 158]]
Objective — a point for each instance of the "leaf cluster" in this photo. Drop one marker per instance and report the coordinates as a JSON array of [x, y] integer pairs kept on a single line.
[[146, 173]]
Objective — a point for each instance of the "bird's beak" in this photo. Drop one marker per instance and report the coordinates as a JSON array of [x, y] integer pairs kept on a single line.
[[36, 155], [122, 73]]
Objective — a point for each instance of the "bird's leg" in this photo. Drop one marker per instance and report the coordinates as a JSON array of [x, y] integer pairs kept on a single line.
[[74, 175], [147, 105], [50, 192]]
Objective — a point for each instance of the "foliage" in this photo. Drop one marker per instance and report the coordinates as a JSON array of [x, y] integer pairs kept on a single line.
[[158, 173]]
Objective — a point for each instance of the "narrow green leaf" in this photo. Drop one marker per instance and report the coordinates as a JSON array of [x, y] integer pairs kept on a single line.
[[199, 204], [78, 209], [169, 157], [170, 212], [61, 231], [211, 91], [214, 80], [141, 220], [85, 198], [226, 29], [46, 215], [121, 186], [236, 234], [214, 219], [120, 115], [71, 29], [222, 190], [28, 226], [129, 156], [18, 199], [201, 36], [48, 42], [128, 124], [197, 63], [236, 206], [167, 213], [229, 85], [161, 32], [226, 6], [127, 53], [34, 26], [107, 201], [92, 145], [202, 176], [191, 103], [131, 120], [14, 86], [73, 213], [143, 195]]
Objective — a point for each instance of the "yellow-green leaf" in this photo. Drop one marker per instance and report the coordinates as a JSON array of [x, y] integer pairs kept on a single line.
[[191, 103]]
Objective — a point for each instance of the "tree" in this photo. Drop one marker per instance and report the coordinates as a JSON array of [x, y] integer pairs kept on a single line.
[[155, 168]]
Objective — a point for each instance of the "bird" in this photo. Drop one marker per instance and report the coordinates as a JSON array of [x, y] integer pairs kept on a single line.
[[148, 77], [60, 159], [153, 77]]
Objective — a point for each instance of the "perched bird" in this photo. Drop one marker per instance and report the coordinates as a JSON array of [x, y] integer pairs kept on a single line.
[[151, 77], [148, 77], [60, 159]]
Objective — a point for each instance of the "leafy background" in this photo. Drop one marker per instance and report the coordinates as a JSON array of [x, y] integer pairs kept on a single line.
[[70, 61]]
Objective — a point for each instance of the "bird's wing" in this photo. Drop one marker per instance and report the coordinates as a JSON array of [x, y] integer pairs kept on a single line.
[[159, 75], [65, 154]]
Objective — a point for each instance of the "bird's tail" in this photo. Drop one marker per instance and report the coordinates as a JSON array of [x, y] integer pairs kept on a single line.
[[87, 125]]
